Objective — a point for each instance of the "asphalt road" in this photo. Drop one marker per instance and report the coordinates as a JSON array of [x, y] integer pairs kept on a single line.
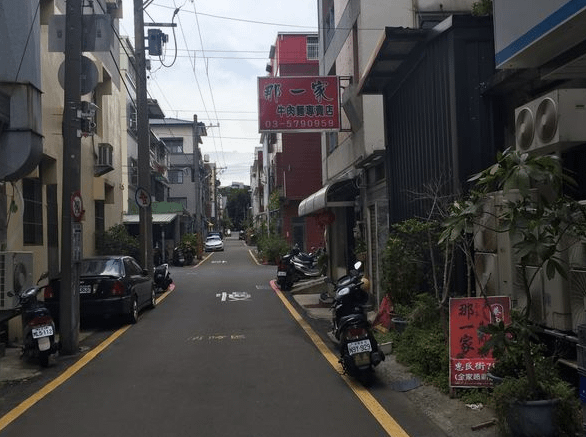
[[221, 355]]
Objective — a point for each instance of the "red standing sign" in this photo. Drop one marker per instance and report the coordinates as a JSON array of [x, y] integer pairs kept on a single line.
[[298, 104], [468, 367]]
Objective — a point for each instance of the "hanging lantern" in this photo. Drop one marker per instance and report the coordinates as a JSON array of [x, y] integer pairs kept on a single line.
[[326, 218]]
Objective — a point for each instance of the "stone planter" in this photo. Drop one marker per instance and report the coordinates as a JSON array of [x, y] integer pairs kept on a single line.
[[386, 348], [399, 323], [533, 418]]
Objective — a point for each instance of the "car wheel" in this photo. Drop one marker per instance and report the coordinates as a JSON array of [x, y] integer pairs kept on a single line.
[[153, 298], [133, 315]]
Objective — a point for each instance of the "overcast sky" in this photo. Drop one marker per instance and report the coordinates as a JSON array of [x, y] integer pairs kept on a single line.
[[222, 47]]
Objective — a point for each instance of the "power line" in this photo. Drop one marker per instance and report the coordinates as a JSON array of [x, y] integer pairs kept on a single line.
[[209, 83], [266, 23]]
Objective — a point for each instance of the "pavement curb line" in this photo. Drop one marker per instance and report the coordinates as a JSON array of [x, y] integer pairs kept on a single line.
[[368, 400]]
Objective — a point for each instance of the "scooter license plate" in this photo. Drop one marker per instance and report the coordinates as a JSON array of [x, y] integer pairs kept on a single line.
[[85, 289], [42, 331], [357, 347], [281, 273]]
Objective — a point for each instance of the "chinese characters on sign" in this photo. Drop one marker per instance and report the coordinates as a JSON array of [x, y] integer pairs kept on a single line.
[[468, 367], [306, 104]]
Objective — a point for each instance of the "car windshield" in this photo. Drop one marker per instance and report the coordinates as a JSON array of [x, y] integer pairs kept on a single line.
[[213, 238], [101, 267]]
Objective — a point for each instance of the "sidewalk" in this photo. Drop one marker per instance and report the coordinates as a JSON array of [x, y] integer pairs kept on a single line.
[[451, 415], [14, 369]]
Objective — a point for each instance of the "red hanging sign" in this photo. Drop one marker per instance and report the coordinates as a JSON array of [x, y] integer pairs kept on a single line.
[[298, 104]]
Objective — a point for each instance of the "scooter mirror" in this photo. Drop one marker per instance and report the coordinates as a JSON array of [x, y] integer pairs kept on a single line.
[[358, 265]]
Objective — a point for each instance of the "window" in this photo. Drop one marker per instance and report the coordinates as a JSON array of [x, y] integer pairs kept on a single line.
[[133, 172], [312, 47], [175, 176], [132, 124], [174, 145], [32, 221], [132, 268]]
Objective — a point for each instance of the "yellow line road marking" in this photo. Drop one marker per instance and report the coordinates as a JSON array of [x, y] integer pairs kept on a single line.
[[20, 409], [72, 370], [368, 400]]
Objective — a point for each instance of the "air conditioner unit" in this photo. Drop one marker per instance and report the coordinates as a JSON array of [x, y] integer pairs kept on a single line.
[[552, 122], [16, 273]]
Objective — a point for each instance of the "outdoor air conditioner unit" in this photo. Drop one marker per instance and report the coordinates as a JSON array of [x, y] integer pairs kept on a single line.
[[16, 273], [552, 122]]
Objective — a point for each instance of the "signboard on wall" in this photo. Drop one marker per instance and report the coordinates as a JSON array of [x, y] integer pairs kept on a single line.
[[298, 104], [548, 28], [468, 367]]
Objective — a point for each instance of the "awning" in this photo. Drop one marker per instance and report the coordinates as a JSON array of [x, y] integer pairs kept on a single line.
[[159, 219], [395, 47], [337, 194]]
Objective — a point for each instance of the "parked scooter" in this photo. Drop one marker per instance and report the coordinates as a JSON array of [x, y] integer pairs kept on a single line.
[[306, 264], [285, 272], [162, 277], [38, 327], [178, 257], [359, 352]]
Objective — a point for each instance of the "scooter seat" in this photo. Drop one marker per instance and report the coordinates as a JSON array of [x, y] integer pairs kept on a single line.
[[352, 319]]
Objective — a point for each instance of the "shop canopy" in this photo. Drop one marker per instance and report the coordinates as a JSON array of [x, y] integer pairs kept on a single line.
[[334, 195], [157, 218]]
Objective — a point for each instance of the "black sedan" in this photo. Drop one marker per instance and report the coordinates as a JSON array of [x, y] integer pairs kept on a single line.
[[108, 286]]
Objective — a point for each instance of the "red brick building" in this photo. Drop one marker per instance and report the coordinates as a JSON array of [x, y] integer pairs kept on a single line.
[[295, 167]]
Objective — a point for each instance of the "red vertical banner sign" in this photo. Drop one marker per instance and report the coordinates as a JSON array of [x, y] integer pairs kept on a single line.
[[298, 104], [468, 367]]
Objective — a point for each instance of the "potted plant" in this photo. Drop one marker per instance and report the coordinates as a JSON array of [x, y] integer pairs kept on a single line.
[[539, 218]]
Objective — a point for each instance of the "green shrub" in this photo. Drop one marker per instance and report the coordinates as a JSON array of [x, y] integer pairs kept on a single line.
[[272, 247], [425, 352], [406, 266], [117, 241], [192, 246]]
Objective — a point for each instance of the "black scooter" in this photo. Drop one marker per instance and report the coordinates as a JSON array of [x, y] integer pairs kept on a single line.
[[285, 272], [162, 277], [359, 352], [38, 327]]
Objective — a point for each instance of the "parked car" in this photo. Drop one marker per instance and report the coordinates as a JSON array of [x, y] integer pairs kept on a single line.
[[213, 244], [109, 286], [216, 234]]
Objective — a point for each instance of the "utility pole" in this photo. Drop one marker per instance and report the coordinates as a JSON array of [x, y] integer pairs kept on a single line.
[[196, 178], [69, 295], [142, 123]]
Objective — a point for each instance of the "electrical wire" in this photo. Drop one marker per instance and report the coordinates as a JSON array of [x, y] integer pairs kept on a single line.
[[266, 23], [209, 83], [174, 39]]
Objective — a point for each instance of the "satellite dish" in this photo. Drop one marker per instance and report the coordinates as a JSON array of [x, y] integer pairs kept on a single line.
[[88, 77], [546, 120], [524, 128]]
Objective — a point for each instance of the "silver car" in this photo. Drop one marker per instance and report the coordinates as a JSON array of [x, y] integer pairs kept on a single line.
[[214, 244]]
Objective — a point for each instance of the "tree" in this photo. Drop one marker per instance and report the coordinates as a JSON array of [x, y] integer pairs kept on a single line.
[[238, 202]]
